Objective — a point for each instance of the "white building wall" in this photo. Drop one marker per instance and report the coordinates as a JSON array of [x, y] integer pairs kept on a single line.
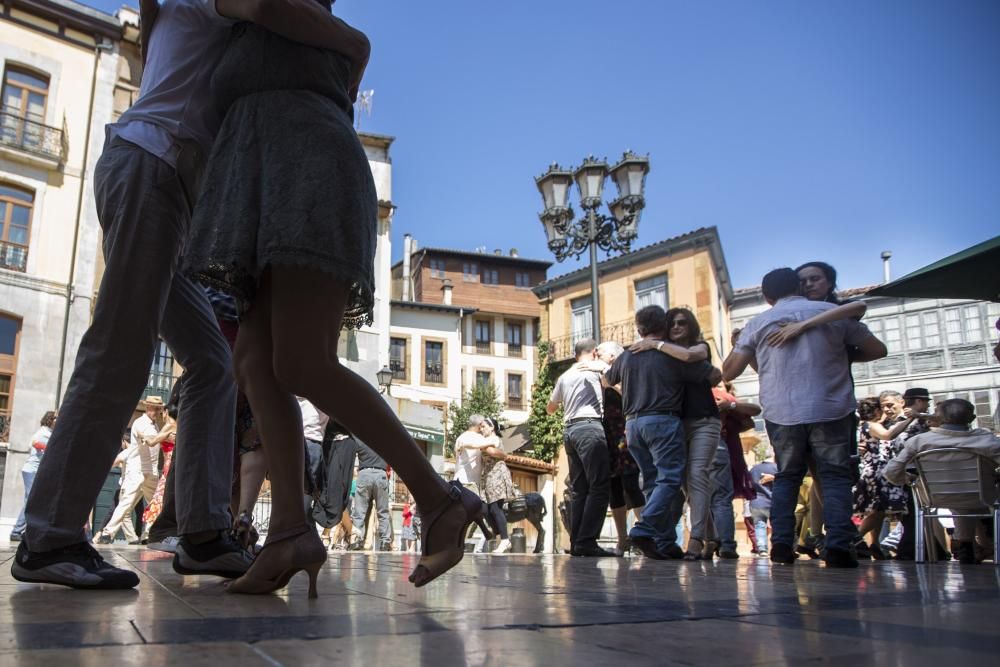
[[499, 363], [417, 326]]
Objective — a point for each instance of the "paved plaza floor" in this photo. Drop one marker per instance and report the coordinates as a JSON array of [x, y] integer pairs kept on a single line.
[[516, 610]]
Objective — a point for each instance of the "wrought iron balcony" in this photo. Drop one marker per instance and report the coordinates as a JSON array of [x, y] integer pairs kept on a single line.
[[13, 257], [30, 136], [484, 347], [515, 350], [622, 331], [515, 403], [4, 426], [398, 369]]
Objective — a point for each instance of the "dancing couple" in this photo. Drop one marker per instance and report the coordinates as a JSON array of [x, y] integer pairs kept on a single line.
[[286, 222]]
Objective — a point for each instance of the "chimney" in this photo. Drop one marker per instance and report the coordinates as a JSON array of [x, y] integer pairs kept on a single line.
[[514, 253], [886, 254], [446, 287], [407, 281]]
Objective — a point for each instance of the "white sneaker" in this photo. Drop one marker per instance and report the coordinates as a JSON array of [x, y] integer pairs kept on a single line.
[[481, 545], [503, 547], [168, 545]]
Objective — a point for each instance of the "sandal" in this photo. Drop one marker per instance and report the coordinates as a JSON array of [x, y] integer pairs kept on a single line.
[[244, 531], [437, 559], [285, 553]]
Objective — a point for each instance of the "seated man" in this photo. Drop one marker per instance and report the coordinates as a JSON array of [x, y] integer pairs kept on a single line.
[[955, 415]]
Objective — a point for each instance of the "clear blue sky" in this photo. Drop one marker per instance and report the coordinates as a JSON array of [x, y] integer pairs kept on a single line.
[[802, 130]]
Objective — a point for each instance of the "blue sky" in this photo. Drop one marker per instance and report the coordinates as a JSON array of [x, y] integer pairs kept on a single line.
[[802, 130]]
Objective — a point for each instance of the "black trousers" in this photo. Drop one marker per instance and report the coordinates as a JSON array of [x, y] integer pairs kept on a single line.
[[589, 481]]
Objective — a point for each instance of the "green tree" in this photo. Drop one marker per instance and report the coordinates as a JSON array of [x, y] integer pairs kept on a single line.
[[544, 430], [481, 400]]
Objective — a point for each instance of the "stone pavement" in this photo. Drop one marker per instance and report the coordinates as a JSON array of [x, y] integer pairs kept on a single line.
[[518, 610]]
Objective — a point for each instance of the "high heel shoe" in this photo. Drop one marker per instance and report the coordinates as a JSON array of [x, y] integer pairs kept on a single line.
[[695, 549], [438, 558], [285, 554]]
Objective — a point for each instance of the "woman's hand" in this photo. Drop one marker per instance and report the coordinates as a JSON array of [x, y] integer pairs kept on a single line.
[[786, 333], [644, 345]]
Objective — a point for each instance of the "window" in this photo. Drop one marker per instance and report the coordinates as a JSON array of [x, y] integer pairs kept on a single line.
[[470, 272], [9, 330], [923, 330], [522, 279], [437, 268], [515, 338], [433, 362], [15, 227], [491, 277], [24, 98], [484, 378], [484, 341], [161, 374], [984, 415], [582, 317], [514, 399], [651, 292], [887, 330], [397, 359], [964, 325]]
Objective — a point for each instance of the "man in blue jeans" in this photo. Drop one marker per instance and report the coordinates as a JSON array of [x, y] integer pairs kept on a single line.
[[652, 397], [763, 475], [807, 400]]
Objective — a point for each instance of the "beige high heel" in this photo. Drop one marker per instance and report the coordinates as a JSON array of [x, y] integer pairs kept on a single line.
[[435, 563], [285, 553]]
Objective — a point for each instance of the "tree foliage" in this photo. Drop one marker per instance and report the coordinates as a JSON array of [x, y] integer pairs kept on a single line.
[[482, 400], [544, 430]]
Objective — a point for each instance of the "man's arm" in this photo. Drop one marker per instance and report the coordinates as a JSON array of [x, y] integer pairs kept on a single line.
[[306, 22], [735, 364], [869, 348]]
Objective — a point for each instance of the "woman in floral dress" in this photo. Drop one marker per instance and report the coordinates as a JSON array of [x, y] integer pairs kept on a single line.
[[874, 497]]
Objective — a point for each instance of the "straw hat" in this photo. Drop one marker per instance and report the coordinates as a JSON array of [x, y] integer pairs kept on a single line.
[[153, 402]]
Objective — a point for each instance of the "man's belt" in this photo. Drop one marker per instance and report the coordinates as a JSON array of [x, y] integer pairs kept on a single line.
[[580, 420], [654, 413], [371, 468]]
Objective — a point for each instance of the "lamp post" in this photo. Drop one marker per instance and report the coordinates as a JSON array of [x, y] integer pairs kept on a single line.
[[608, 232], [384, 378]]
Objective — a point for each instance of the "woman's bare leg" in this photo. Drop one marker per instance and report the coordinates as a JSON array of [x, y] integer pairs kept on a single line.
[[872, 522], [306, 312]]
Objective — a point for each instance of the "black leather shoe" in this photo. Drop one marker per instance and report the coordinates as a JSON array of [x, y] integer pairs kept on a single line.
[[965, 552], [594, 552], [839, 558], [648, 548], [674, 551], [728, 554], [782, 554]]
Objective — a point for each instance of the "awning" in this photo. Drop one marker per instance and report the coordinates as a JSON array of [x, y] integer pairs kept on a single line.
[[973, 273], [425, 434]]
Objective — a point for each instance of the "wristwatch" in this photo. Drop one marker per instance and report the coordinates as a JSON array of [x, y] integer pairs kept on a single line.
[[659, 346]]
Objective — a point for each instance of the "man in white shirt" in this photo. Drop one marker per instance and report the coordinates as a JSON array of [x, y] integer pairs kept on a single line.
[[140, 477], [469, 448], [581, 395], [146, 182]]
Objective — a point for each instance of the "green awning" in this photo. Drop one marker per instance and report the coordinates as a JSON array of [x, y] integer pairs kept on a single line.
[[973, 273]]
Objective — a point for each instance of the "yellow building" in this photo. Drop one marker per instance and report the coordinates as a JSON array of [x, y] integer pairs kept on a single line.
[[67, 71], [688, 270]]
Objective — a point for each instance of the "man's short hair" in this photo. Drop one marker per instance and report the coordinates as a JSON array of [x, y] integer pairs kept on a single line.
[[889, 393], [780, 283], [584, 346], [956, 411], [612, 347], [476, 420], [651, 320]]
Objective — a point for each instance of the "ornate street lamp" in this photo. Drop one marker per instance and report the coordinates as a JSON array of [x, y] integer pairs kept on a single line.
[[611, 233], [384, 378]]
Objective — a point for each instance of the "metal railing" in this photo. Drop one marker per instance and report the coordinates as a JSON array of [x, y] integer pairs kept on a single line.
[[434, 372], [484, 347], [515, 350], [13, 256], [622, 331], [32, 136], [398, 369], [515, 403], [5, 426]]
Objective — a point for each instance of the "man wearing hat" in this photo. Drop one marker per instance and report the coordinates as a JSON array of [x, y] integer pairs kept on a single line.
[[141, 474], [916, 405]]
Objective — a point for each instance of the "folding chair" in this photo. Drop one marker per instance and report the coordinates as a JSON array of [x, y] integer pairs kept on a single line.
[[960, 480]]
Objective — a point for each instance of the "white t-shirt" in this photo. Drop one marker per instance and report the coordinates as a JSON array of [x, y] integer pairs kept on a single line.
[[580, 391], [175, 100], [469, 457], [35, 455], [313, 421], [140, 459]]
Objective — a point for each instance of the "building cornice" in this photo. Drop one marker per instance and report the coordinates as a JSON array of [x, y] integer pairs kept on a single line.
[[66, 14], [432, 307]]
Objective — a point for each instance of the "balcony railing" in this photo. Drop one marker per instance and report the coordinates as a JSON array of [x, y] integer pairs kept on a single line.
[[484, 347], [5, 426], [434, 372], [622, 331], [515, 350], [398, 369], [515, 403], [31, 136], [13, 257]]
